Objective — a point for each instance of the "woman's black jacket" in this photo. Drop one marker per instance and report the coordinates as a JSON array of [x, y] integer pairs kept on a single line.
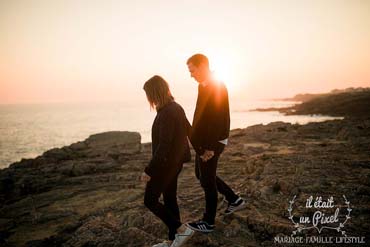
[[170, 147]]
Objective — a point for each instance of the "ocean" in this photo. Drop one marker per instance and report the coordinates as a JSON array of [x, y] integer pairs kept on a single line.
[[28, 130]]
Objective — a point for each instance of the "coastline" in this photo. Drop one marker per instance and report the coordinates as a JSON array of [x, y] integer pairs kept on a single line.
[[27, 133]]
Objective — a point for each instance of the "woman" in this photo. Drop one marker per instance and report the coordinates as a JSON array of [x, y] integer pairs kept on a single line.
[[170, 149]]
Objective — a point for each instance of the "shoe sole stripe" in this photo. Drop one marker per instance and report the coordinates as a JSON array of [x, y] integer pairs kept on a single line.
[[232, 209], [198, 229]]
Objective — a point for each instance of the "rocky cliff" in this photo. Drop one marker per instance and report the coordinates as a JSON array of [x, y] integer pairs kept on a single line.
[[346, 103]]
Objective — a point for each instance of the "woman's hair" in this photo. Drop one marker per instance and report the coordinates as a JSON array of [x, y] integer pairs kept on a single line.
[[158, 92]]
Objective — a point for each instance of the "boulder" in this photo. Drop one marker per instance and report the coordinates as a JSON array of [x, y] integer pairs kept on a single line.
[[114, 142]]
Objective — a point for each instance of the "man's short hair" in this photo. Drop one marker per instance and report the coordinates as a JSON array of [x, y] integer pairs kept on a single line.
[[198, 59]]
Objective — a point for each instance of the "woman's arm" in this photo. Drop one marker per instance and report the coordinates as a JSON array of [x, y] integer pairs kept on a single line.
[[167, 123]]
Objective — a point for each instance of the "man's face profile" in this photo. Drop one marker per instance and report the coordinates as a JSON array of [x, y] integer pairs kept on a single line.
[[196, 72]]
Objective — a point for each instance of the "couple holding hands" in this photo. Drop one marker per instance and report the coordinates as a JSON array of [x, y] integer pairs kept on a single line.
[[170, 149]]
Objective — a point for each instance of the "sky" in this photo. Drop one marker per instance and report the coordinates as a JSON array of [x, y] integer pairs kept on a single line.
[[95, 50]]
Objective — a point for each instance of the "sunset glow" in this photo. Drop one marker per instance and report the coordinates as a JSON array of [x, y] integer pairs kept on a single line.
[[62, 51]]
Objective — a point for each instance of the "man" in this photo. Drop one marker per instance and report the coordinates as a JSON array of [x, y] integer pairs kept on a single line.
[[209, 135]]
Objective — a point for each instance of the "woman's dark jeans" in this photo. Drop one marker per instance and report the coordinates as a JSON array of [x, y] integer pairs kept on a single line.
[[168, 212]]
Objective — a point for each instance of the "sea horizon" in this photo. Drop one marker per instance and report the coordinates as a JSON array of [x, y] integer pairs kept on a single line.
[[28, 130]]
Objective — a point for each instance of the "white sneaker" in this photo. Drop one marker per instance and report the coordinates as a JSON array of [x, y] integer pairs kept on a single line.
[[181, 238], [163, 244]]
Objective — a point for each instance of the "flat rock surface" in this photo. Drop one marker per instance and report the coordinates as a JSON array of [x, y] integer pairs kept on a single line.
[[89, 193]]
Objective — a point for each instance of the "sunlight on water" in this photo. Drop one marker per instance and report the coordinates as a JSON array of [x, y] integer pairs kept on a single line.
[[27, 131]]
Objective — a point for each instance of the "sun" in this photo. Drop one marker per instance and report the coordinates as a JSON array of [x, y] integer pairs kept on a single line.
[[223, 71]]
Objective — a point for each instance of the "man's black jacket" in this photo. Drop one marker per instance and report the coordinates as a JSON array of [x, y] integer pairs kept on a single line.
[[170, 148], [211, 122]]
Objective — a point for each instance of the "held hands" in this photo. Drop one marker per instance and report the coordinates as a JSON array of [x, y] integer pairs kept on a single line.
[[144, 177], [207, 155]]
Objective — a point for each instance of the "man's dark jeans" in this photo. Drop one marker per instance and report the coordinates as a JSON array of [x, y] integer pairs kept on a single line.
[[206, 173]]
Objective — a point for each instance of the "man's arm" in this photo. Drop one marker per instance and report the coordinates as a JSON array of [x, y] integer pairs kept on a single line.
[[219, 119]]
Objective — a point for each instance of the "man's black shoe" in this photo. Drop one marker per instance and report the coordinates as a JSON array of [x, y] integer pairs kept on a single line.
[[201, 226]]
